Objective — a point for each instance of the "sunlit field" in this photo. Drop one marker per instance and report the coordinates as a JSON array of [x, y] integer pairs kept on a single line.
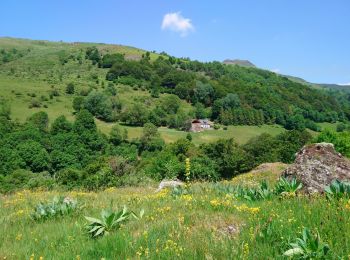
[[205, 222]]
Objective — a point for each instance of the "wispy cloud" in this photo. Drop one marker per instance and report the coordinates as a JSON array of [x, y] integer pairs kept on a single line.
[[177, 23], [275, 70], [344, 84]]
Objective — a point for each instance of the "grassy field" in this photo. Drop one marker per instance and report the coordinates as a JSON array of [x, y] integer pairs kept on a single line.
[[206, 223], [240, 133]]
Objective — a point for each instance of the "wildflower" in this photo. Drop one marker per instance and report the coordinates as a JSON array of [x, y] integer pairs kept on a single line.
[[188, 169], [187, 197], [245, 208], [215, 203], [19, 237], [347, 205], [245, 250], [20, 212], [145, 234]]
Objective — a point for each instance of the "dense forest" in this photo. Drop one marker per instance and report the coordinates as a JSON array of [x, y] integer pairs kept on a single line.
[[78, 155], [230, 95]]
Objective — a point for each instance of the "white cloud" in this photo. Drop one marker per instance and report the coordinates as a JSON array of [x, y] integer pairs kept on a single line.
[[344, 84], [275, 70], [177, 23]]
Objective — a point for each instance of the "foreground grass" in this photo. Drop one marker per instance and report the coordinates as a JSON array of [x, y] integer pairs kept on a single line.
[[208, 223]]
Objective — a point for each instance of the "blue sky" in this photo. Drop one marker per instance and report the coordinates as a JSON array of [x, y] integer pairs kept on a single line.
[[305, 38]]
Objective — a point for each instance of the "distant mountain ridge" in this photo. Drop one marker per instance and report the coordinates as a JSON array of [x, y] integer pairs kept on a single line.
[[319, 85], [244, 63]]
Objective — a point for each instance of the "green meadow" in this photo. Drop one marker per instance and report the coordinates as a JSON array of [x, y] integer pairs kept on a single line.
[[207, 222]]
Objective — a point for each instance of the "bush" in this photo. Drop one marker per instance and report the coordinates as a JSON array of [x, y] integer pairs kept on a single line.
[[164, 165], [341, 127], [136, 115], [34, 103], [111, 90], [54, 93], [70, 89], [118, 135], [34, 155], [61, 125], [40, 120], [150, 139], [341, 140], [24, 179], [99, 105], [203, 168], [5, 109], [70, 178], [78, 103]]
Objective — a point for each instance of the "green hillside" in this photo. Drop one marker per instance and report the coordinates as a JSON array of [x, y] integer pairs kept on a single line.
[[164, 90]]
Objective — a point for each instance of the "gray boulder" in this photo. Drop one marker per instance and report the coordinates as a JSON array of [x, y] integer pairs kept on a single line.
[[317, 165]]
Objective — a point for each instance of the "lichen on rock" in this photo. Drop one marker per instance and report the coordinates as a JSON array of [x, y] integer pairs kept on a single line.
[[317, 165]]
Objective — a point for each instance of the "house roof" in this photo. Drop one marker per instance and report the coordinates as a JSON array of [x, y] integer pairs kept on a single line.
[[201, 121]]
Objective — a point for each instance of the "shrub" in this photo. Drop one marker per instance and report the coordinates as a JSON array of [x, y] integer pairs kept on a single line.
[[5, 109], [34, 103], [136, 115], [54, 93], [341, 140], [118, 135], [341, 127], [24, 179], [150, 139], [40, 120], [78, 103], [111, 90], [61, 125], [34, 155], [70, 178], [164, 165], [99, 105], [203, 168], [70, 89]]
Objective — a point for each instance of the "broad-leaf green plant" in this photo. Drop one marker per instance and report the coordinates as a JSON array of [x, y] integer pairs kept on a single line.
[[338, 190], [309, 246], [110, 221], [285, 185], [59, 206]]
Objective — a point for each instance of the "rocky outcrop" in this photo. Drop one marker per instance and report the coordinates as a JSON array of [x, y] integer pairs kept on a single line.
[[317, 165], [244, 63]]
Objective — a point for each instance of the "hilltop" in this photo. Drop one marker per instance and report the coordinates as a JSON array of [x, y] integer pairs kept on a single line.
[[244, 63]]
